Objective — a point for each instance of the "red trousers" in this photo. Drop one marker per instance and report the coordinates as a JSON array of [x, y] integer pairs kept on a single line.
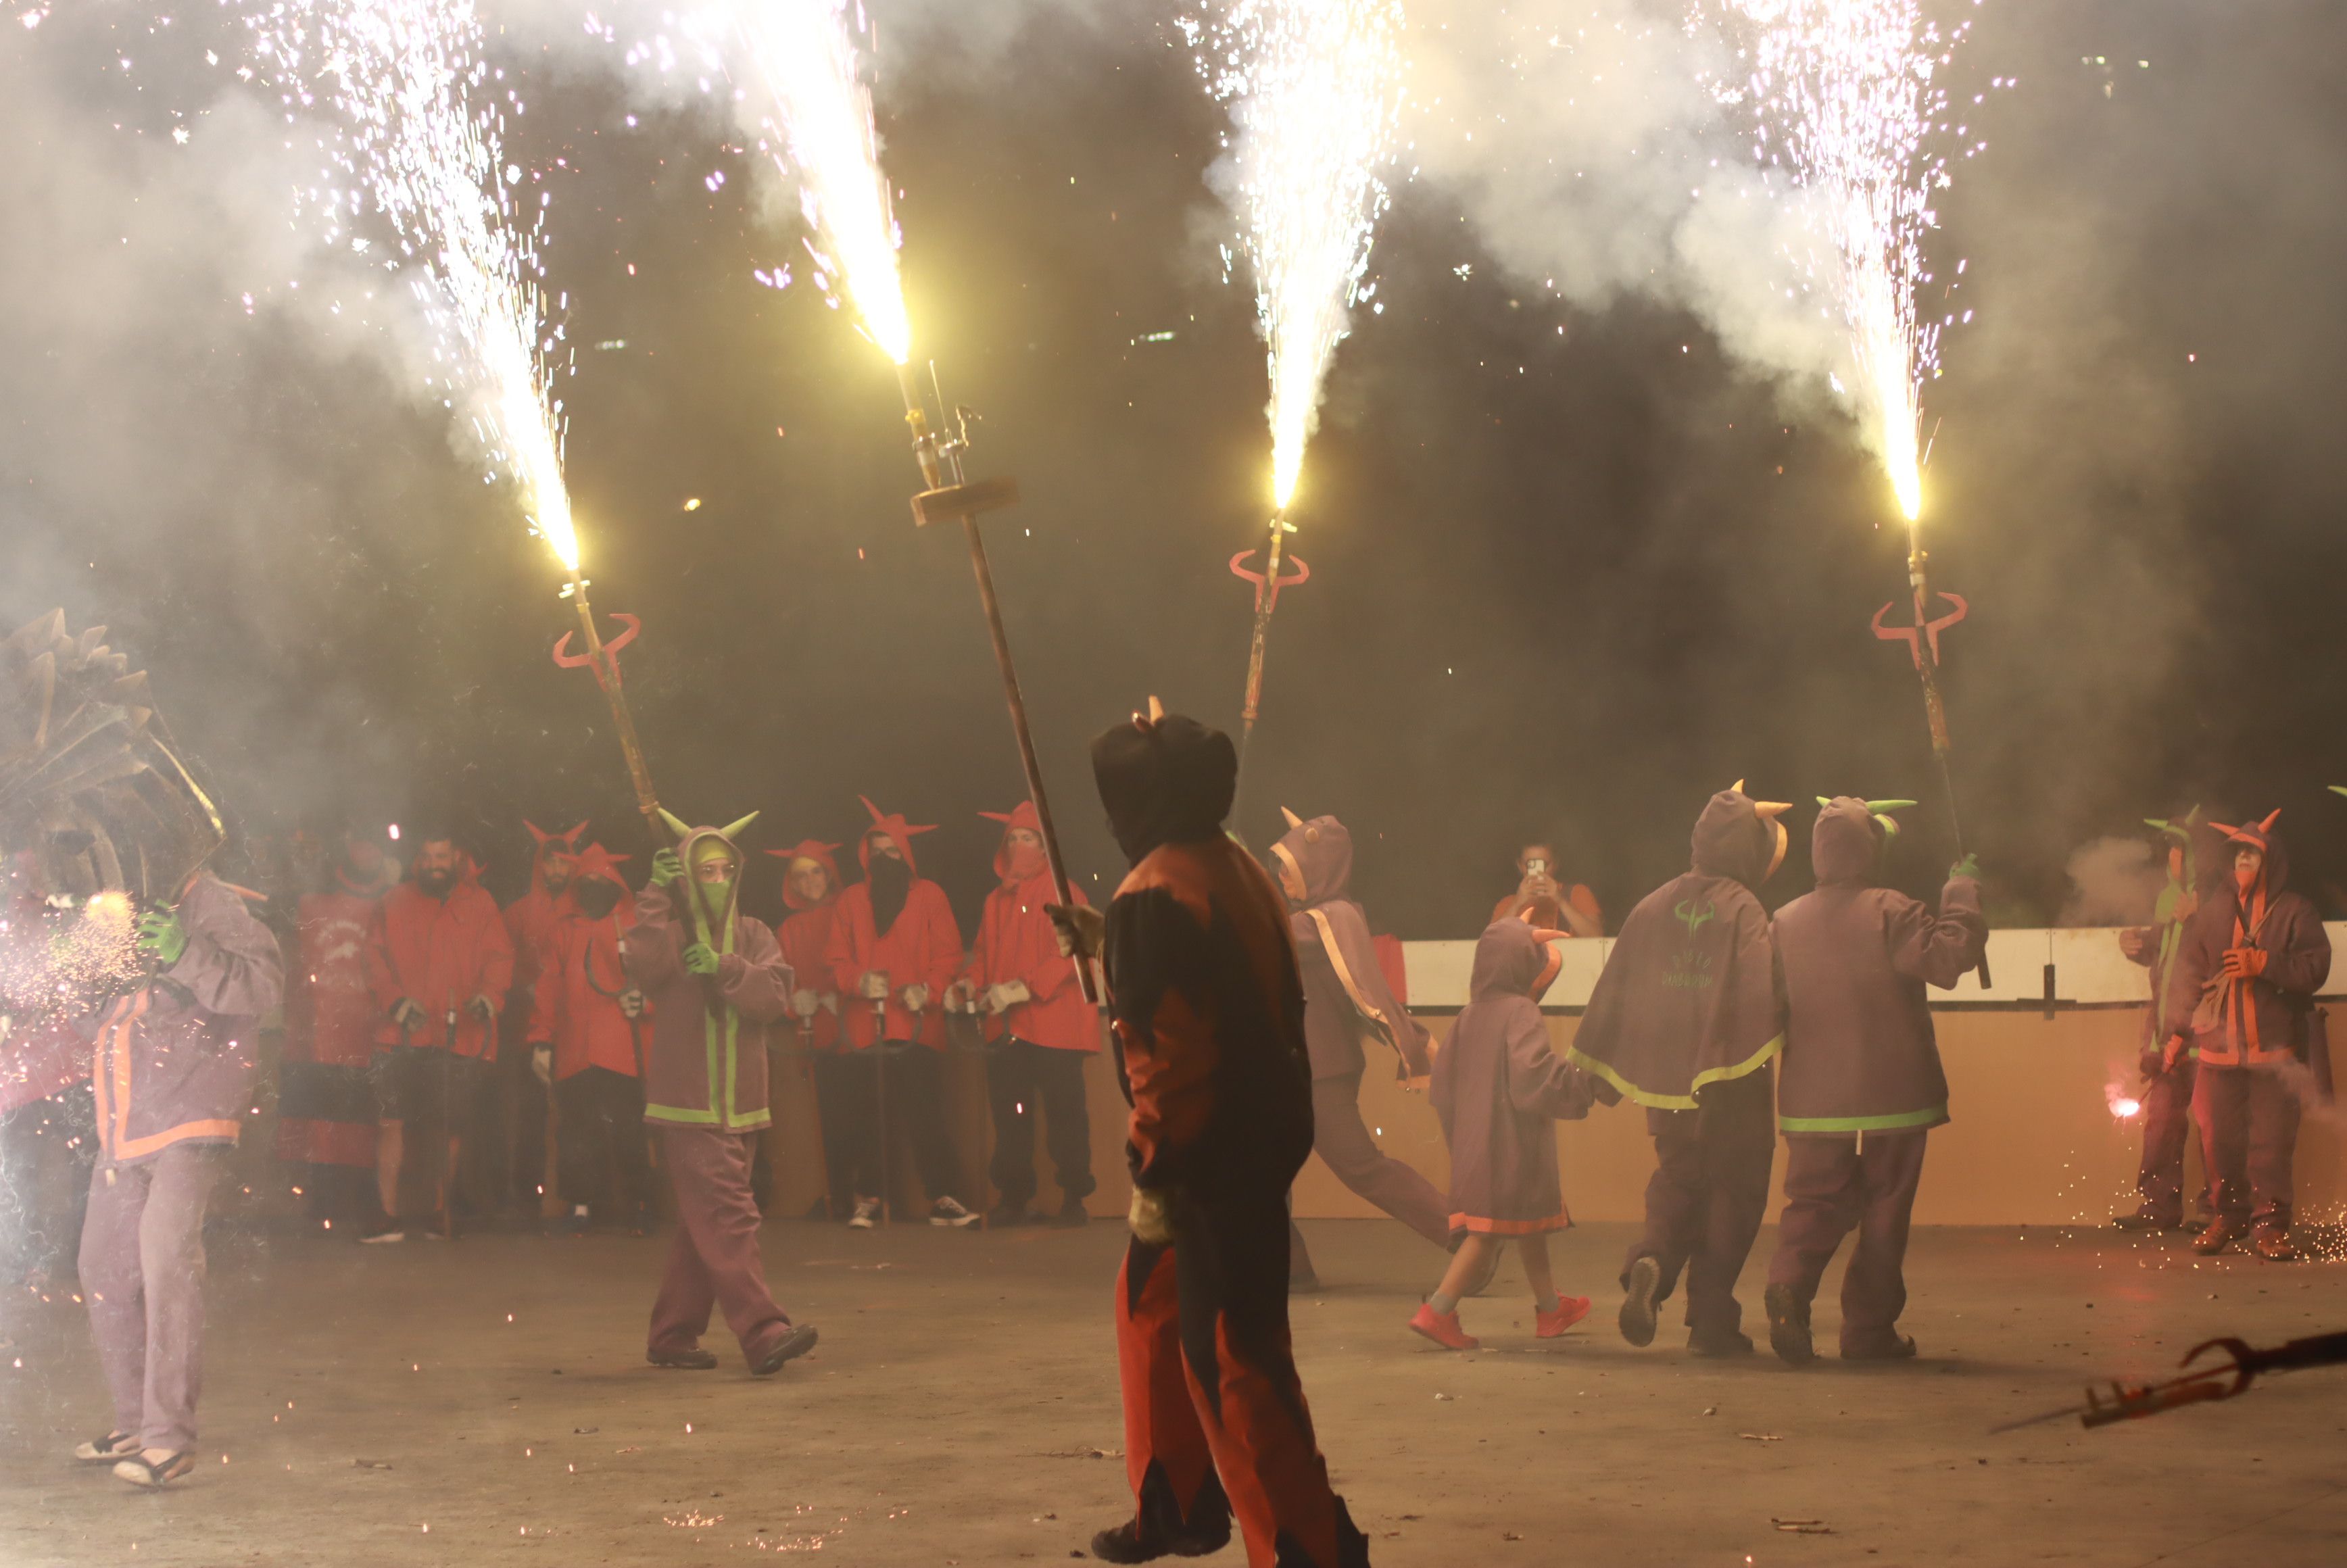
[[1211, 1389], [714, 1261]]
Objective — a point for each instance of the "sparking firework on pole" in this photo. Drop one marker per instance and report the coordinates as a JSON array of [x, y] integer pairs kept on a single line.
[[422, 135], [1314, 89], [1844, 99], [801, 58]]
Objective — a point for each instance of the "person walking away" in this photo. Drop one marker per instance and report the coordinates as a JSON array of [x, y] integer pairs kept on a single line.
[[1499, 1088], [1861, 1085], [1346, 1003], [1685, 1021]]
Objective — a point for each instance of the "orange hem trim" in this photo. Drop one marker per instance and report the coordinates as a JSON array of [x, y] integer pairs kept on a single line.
[[1479, 1225], [135, 1148]]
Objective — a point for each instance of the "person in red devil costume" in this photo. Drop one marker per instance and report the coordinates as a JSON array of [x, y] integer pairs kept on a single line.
[[811, 891], [1208, 1011], [2252, 957], [893, 950], [440, 961], [516, 1166], [586, 1039], [325, 1104], [1042, 1029]]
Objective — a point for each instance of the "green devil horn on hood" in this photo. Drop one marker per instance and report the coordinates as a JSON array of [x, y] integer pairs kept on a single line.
[[675, 824], [1878, 806], [1823, 802], [2339, 789], [733, 832]]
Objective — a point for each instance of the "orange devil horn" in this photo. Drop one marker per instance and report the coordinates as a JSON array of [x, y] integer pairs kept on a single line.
[[1772, 809], [2266, 826]]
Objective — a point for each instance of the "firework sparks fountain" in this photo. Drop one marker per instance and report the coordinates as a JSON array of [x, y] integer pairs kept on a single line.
[[1314, 88], [802, 57], [420, 136], [1844, 96]]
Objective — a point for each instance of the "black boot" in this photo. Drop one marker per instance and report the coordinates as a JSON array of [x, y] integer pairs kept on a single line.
[[1788, 1325], [1352, 1546], [1158, 1529]]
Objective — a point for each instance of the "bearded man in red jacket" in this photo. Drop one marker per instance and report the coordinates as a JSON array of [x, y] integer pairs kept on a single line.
[[1041, 1030], [441, 961], [893, 950]]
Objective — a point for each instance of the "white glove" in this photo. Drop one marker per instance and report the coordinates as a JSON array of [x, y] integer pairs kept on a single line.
[[915, 997], [541, 1063], [1006, 995], [631, 1003], [804, 1003], [960, 998], [873, 986], [1151, 1218], [831, 1003], [1080, 927]]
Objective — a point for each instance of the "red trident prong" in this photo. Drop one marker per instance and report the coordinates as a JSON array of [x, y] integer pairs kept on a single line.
[[608, 652], [1263, 605], [1912, 635]]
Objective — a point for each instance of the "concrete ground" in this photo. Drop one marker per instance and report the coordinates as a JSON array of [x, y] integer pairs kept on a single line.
[[487, 1402]]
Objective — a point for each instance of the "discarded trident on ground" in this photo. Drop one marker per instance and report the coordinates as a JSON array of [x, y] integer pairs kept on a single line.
[[2218, 1381]]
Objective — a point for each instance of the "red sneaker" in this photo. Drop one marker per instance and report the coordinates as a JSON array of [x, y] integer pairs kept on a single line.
[[1443, 1327], [1570, 1310]]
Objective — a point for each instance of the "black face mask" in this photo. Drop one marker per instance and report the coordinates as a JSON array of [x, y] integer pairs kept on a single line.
[[597, 897], [891, 880]]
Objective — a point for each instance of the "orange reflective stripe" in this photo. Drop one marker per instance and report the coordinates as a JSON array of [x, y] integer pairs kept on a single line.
[[135, 1148]]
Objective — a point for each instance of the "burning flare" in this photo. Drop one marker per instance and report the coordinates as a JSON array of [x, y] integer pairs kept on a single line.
[[1314, 93], [421, 136], [1843, 92], [801, 56]]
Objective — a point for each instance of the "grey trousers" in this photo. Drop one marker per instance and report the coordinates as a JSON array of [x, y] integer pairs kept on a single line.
[[142, 1272]]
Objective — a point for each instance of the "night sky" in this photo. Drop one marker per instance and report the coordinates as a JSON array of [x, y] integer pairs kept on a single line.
[[1565, 584]]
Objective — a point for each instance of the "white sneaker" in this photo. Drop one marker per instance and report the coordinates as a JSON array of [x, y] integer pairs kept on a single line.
[[948, 1213], [866, 1214]]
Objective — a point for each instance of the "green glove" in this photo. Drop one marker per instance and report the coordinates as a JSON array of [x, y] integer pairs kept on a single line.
[[701, 958], [161, 936], [1968, 866], [667, 866]]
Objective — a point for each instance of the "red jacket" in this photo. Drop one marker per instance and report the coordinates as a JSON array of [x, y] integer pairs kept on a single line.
[[440, 954], [806, 937], [576, 1007], [922, 948], [531, 920], [330, 1016], [1015, 942]]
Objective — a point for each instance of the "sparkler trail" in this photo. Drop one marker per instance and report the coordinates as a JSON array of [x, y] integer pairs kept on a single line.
[[1843, 93], [1314, 88], [421, 134], [801, 56]]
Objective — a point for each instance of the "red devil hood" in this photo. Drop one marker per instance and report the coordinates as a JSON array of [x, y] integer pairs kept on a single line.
[[1511, 959], [894, 826], [550, 846], [1734, 838], [1320, 851], [813, 849], [596, 861], [1022, 815]]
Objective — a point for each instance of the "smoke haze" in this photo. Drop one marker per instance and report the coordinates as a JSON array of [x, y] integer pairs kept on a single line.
[[1581, 553]]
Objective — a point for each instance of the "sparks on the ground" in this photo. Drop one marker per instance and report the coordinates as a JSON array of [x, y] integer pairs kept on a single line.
[[801, 60], [420, 122], [1843, 97], [1314, 89]]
